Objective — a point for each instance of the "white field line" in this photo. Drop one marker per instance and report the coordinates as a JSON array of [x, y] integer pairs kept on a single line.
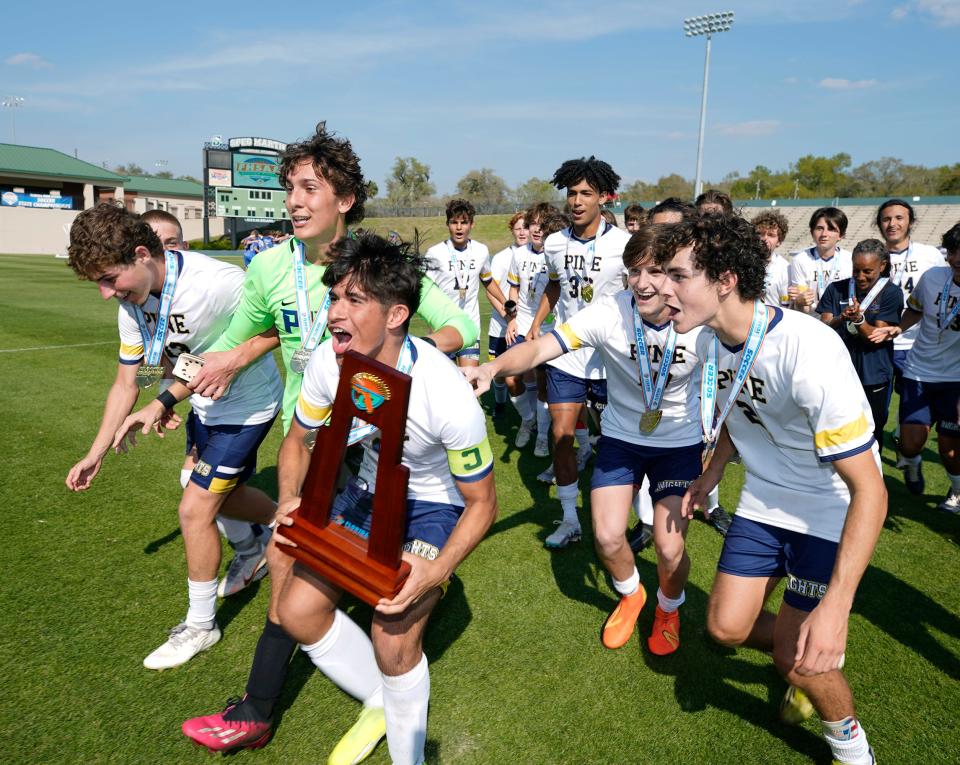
[[54, 347]]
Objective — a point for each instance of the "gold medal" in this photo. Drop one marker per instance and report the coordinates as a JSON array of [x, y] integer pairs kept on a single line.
[[649, 420], [587, 292], [149, 374], [463, 293]]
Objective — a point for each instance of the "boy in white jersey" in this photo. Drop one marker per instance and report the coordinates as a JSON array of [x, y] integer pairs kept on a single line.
[[451, 499], [458, 266], [584, 263], [499, 268], [812, 269], [651, 384], [931, 372], [772, 228], [800, 422], [909, 260], [171, 303]]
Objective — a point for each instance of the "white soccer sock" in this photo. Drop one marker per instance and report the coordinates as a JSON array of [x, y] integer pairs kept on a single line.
[[238, 533], [713, 499], [185, 477], [522, 405], [500, 392], [568, 502], [954, 481], [405, 701], [202, 611], [345, 655], [543, 419], [669, 605], [530, 399], [642, 504], [848, 741], [629, 585]]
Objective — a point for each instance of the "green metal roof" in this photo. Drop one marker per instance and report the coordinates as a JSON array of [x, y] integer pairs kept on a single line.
[[168, 187], [33, 160]]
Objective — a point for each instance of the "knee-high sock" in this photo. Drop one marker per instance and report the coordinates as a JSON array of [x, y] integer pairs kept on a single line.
[[522, 405], [202, 610], [238, 533], [345, 655], [405, 701], [269, 669], [543, 418]]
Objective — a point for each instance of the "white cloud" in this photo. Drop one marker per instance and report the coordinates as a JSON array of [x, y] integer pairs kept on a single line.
[[946, 13], [28, 59], [749, 129], [840, 83]]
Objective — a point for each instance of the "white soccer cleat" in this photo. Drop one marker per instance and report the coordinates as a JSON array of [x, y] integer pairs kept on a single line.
[[565, 534], [951, 504], [244, 570], [547, 476], [525, 433], [542, 447], [185, 642]]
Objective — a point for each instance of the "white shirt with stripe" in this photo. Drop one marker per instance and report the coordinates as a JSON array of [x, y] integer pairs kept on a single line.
[[922, 257], [935, 356], [807, 264], [528, 273], [472, 264], [498, 266]]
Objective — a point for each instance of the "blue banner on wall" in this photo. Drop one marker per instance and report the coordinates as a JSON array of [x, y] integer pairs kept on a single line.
[[16, 199]]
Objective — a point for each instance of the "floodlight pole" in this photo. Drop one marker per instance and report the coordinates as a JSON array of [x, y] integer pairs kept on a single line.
[[698, 183], [13, 103]]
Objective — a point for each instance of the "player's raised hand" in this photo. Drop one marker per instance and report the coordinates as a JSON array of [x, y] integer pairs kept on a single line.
[[82, 474], [883, 334], [822, 641], [283, 518], [214, 378], [480, 378], [424, 576], [146, 419]]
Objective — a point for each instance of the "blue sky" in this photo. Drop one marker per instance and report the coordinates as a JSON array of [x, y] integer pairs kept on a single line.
[[517, 87]]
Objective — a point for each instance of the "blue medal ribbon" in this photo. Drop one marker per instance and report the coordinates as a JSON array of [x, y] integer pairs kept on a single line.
[[898, 277], [870, 296], [947, 318], [311, 330], [652, 394], [821, 273], [153, 346]]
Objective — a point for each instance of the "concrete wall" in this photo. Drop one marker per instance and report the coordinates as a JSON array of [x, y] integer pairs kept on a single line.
[[35, 231], [187, 211]]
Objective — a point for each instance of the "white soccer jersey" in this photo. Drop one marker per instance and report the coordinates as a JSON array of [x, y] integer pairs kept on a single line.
[[446, 436], [447, 266], [207, 293], [528, 273], [577, 263], [498, 266], [801, 409], [919, 258], [807, 265], [934, 357], [607, 325], [777, 281]]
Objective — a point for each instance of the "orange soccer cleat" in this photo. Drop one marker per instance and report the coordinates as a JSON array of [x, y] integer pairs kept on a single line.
[[665, 637], [618, 627]]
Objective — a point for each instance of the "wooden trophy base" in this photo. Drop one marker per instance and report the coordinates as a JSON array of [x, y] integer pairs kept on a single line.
[[340, 557]]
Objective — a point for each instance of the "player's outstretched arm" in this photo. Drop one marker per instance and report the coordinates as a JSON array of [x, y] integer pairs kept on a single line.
[[120, 400], [695, 497], [292, 464], [479, 514], [823, 634], [549, 298], [154, 416], [883, 334], [453, 328], [220, 367], [515, 361]]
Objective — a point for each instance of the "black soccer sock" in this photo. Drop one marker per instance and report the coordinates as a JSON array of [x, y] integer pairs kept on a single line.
[[268, 673]]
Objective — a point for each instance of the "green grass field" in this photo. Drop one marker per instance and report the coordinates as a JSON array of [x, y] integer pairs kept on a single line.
[[94, 580]]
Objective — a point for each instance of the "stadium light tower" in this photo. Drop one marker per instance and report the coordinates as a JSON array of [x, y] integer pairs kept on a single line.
[[13, 103], [709, 25]]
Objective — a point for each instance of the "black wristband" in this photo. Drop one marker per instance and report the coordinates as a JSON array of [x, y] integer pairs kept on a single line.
[[167, 399], [429, 340]]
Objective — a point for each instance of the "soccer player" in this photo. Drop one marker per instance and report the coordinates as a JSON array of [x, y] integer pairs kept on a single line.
[[451, 502], [177, 302], [869, 300], [248, 541], [791, 405], [458, 265], [772, 228], [812, 269], [909, 260], [931, 372], [714, 202], [634, 216], [499, 268], [584, 263], [651, 383]]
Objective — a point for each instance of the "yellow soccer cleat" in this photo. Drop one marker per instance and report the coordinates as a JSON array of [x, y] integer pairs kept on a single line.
[[795, 707], [361, 739]]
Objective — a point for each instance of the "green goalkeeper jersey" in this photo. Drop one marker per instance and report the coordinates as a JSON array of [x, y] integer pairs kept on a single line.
[[270, 300]]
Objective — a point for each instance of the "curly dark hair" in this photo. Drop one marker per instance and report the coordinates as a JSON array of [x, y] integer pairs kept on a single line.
[[335, 161], [951, 240], [106, 236], [389, 272], [594, 171], [458, 207], [673, 205], [721, 244], [552, 221], [772, 219]]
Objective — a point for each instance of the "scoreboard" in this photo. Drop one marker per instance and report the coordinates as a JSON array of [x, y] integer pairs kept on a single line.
[[241, 179]]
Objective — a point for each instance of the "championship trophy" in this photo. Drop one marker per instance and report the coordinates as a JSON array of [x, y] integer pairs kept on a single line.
[[369, 568]]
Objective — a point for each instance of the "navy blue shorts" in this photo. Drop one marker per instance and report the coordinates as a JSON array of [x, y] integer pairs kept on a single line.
[[925, 403], [670, 470], [495, 346], [563, 388], [226, 454], [758, 549], [899, 359], [429, 524]]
